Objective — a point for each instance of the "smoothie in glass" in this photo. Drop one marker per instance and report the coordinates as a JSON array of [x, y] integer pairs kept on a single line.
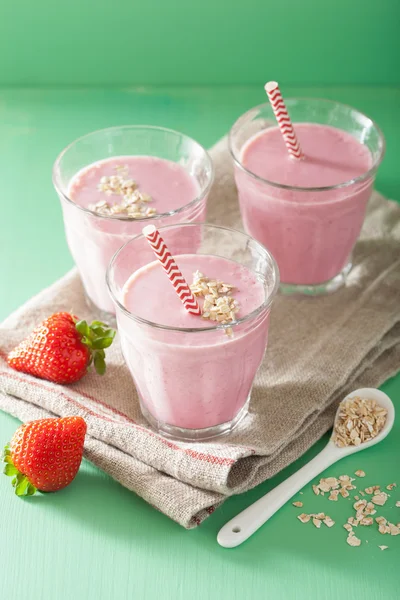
[[194, 374], [308, 212], [112, 181], [145, 184]]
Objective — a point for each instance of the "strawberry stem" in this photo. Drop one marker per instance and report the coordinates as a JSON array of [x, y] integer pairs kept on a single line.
[[96, 337]]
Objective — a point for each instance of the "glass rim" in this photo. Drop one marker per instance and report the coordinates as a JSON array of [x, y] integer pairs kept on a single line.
[[57, 184], [371, 171], [263, 307]]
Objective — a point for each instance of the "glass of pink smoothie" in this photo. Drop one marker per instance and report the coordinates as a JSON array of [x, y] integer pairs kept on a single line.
[[193, 374], [155, 175], [308, 212]]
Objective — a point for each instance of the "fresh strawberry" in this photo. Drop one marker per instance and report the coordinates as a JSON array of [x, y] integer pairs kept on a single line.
[[45, 455], [61, 349]]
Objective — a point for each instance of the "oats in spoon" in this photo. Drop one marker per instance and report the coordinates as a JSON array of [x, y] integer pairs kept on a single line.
[[359, 420]]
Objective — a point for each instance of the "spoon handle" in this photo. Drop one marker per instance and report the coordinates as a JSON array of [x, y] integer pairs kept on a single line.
[[241, 527]]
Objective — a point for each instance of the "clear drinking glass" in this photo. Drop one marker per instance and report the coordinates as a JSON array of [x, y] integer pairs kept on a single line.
[[310, 231], [194, 383], [93, 238]]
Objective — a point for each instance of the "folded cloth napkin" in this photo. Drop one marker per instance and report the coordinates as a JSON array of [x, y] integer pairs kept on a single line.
[[319, 350]]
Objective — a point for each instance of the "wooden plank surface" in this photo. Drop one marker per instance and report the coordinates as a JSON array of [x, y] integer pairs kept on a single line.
[[95, 540]]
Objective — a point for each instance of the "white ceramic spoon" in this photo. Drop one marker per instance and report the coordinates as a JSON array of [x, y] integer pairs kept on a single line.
[[241, 527]]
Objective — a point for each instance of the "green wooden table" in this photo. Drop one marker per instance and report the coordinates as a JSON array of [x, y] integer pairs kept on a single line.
[[96, 540]]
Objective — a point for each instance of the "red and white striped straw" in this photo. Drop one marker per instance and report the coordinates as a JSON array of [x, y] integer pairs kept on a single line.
[[284, 122], [172, 270]]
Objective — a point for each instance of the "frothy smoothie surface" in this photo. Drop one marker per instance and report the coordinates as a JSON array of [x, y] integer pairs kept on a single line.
[[148, 293], [332, 156], [167, 183]]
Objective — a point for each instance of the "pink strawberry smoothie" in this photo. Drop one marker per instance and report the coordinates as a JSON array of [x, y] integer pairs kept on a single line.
[[192, 379], [168, 183], [312, 232], [93, 239]]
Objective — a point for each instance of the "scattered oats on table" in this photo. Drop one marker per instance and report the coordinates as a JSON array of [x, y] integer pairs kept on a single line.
[[370, 509], [383, 547], [379, 499], [383, 529], [359, 420], [366, 521], [360, 504], [394, 529], [352, 540], [317, 522], [317, 519], [298, 504], [334, 495], [320, 515], [346, 482], [364, 508], [372, 489], [304, 518]]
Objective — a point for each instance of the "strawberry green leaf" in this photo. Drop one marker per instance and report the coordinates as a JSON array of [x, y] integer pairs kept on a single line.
[[98, 330], [83, 328], [22, 485], [30, 490], [96, 337], [17, 479], [6, 451], [110, 333], [10, 470], [85, 340], [20, 482], [102, 343], [97, 324], [99, 364]]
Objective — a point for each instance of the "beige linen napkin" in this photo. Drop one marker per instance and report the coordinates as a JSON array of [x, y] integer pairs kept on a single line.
[[319, 349]]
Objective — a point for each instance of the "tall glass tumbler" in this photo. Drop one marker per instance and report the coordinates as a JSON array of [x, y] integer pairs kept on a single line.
[[93, 238], [311, 231], [194, 383]]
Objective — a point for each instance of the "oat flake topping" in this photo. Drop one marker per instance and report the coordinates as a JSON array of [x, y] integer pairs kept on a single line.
[[218, 302], [134, 203]]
